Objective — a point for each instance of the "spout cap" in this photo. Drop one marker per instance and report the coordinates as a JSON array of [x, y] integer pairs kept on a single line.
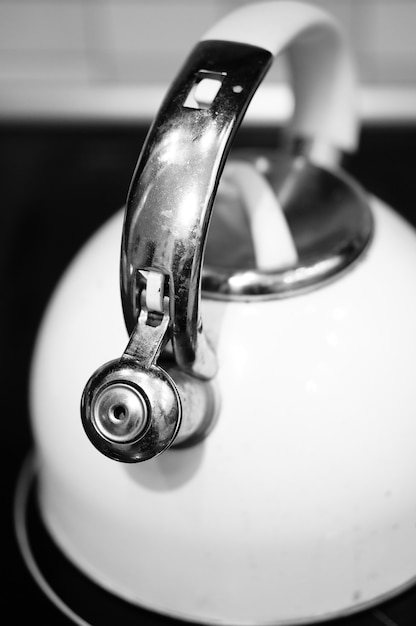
[[130, 413]]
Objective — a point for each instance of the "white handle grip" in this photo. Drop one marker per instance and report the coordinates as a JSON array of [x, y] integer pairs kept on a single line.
[[323, 75]]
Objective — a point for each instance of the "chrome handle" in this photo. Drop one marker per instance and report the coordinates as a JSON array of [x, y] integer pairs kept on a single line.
[[165, 228], [173, 189]]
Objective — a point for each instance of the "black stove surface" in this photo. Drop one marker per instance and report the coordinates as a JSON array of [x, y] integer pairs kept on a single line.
[[68, 180]]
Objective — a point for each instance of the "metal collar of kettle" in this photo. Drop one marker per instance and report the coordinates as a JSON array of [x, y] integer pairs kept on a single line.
[[131, 408]]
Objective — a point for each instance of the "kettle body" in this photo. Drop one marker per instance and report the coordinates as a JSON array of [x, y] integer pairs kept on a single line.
[[299, 503]]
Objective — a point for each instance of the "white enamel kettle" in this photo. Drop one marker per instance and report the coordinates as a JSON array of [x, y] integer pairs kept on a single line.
[[250, 458]]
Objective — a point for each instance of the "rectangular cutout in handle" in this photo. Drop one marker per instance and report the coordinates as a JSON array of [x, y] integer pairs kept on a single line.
[[204, 90]]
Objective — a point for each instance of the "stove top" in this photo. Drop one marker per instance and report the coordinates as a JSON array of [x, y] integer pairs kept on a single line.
[[79, 175]]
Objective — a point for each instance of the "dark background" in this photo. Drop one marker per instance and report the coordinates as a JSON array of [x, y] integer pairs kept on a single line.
[[58, 183]]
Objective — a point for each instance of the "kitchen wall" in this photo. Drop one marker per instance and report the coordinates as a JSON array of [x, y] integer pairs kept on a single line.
[[105, 42]]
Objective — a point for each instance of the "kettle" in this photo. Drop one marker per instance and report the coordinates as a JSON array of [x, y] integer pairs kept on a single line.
[[246, 450]]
